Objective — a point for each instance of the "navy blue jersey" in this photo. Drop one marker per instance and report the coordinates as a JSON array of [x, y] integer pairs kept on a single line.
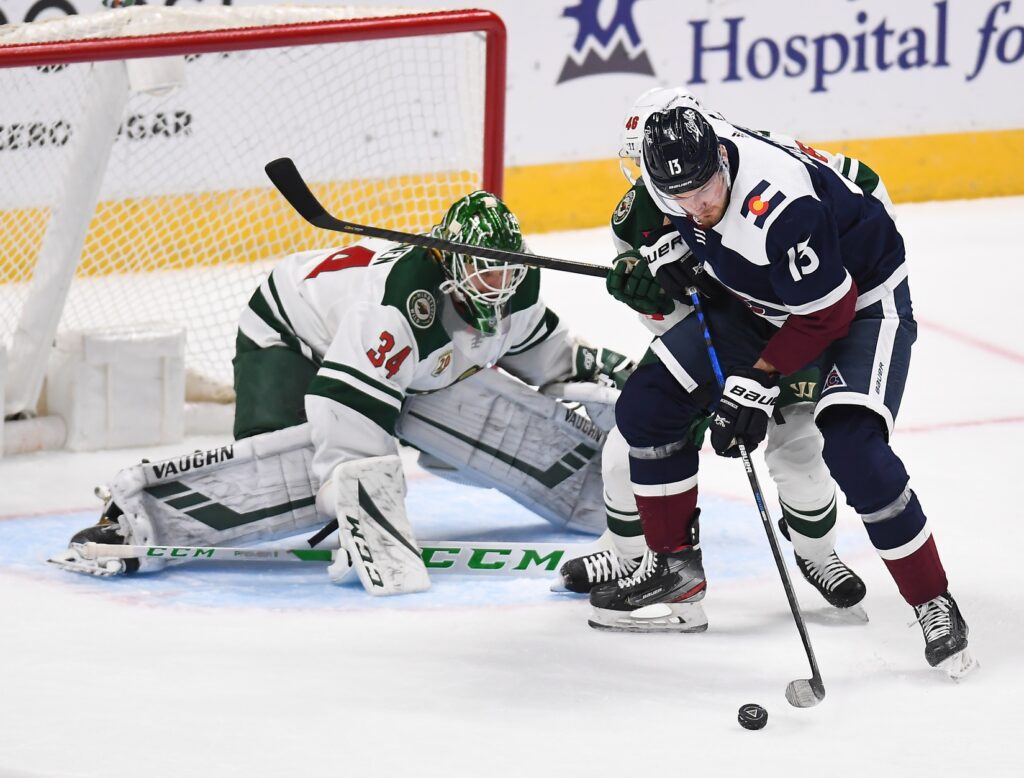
[[798, 239]]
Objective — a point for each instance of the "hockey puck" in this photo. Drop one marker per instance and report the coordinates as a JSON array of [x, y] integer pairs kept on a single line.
[[752, 716]]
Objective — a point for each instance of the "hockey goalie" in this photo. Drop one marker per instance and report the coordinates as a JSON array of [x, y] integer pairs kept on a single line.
[[341, 354]]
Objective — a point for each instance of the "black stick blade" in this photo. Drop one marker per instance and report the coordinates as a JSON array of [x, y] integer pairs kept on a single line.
[[286, 177]]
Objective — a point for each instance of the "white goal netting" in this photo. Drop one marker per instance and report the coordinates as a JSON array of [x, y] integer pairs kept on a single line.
[[147, 179]]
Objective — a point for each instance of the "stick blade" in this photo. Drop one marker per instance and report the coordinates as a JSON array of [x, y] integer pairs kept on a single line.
[[805, 693], [286, 178]]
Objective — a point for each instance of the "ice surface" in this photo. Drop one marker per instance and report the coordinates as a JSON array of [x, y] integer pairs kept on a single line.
[[260, 671]]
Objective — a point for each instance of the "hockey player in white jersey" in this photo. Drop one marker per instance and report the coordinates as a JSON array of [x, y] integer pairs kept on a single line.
[[343, 352], [806, 490], [820, 261]]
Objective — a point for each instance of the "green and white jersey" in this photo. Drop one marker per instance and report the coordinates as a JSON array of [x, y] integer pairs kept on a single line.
[[370, 315], [635, 217]]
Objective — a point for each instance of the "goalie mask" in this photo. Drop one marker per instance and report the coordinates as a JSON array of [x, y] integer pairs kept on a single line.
[[482, 286]]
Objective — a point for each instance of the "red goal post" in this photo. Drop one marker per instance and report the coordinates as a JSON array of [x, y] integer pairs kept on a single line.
[[157, 208]]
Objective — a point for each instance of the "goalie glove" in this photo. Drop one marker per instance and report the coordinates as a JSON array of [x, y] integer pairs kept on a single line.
[[748, 399], [601, 366], [675, 267], [630, 281]]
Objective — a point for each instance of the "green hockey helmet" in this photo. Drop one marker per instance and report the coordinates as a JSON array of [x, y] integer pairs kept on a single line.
[[484, 286]]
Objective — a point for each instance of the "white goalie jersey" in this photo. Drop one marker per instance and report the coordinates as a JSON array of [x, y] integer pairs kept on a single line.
[[371, 317]]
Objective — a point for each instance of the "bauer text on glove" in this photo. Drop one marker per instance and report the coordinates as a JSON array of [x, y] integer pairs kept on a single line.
[[630, 282], [748, 399], [675, 267]]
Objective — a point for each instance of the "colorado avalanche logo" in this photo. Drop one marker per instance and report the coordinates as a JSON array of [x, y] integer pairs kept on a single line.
[[615, 48], [834, 379]]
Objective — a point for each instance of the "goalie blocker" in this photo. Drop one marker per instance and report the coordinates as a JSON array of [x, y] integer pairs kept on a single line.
[[490, 430]]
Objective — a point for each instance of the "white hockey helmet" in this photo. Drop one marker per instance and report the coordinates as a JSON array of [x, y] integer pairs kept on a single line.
[[632, 137]]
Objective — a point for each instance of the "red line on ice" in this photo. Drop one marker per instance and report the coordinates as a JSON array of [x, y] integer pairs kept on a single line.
[[948, 425], [978, 343]]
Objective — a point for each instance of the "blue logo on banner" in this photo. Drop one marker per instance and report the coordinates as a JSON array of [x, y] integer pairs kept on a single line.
[[616, 48]]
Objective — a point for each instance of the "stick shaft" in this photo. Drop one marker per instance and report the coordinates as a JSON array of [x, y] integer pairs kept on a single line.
[[766, 520], [440, 556], [289, 182]]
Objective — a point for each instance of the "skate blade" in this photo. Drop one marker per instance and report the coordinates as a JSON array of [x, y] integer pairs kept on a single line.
[[558, 585], [959, 665], [659, 617], [855, 613], [829, 614]]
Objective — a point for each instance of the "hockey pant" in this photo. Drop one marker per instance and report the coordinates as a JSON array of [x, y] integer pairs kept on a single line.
[[662, 401], [865, 375], [806, 491], [492, 431]]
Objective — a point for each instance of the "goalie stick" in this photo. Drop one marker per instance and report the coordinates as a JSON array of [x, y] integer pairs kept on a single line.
[[439, 556], [803, 692], [289, 182]]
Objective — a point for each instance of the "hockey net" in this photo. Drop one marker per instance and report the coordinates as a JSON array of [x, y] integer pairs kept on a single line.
[[133, 143]]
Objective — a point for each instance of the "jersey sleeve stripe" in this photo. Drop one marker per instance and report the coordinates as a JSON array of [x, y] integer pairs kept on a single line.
[[261, 309], [673, 365], [383, 414], [824, 302], [258, 331], [362, 378], [544, 328], [277, 302], [872, 296]]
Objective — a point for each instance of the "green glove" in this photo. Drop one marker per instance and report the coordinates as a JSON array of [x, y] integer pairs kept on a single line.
[[600, 365], [630, 281]]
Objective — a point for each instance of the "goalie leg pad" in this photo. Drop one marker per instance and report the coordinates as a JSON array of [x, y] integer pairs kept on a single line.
[[257, 489], [500, 433], [370, 502]]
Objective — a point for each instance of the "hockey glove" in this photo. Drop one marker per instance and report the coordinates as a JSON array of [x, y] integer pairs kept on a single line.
[[748, 399], [675, 267], [601, 366], [630, 282]]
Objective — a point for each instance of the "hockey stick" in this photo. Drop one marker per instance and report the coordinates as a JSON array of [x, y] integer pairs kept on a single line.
[[289, 182], [439, 556], [801, 693]]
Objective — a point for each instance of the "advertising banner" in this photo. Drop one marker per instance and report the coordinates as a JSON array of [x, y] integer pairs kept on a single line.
[[910, 86]]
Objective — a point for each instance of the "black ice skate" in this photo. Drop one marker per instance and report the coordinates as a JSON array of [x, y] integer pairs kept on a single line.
[[662, 595], [945, 636], [837, 583], [583, 573]]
